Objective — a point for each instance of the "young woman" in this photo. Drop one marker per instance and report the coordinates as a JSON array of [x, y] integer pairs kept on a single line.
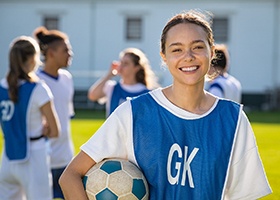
[[57, 53], [136, 78], [27, 117], [223, 84], [188, 143]]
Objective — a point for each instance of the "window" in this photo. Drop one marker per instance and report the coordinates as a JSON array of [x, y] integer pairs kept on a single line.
[[221, 29], [133, 28], [51, 23]]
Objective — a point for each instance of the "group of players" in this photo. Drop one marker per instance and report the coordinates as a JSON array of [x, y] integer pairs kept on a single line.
[[37, 105]]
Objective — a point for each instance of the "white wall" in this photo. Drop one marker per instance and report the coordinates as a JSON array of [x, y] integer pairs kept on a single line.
[[252, 46], [22, 19], [96, 30]]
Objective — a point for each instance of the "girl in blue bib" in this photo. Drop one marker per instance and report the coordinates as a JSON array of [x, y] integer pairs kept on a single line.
[[188, 143]]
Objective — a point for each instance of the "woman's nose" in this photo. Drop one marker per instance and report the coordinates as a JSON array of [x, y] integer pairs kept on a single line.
[[189, 56]]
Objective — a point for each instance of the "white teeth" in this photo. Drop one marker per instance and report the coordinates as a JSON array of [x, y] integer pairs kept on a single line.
[[188, 69]]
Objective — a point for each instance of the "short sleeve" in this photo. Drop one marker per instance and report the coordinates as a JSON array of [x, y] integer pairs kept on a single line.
[[113, 138], [44, 94], [247, 178], [108, 90], [109, 86]]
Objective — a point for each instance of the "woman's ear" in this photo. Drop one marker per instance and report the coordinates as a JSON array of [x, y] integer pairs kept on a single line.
[[137, 68], [162, 55], [212, 51]]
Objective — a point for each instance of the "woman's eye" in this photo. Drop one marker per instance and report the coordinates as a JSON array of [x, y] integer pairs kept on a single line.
[[176, 50], [198, 47]]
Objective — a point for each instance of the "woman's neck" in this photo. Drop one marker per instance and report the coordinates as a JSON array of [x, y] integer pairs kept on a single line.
[[51, 69], [190, 98], [33, 76], [128, 81]]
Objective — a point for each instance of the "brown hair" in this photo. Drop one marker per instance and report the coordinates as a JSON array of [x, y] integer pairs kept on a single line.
[[203, 19], [48, 38], [221, 59], [21, 49], [145, 75]]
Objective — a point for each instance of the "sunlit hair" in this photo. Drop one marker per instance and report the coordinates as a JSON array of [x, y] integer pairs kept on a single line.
[[21, 50], [48, 38], [202, 19], [219, 62], [221, 58], [145, 75]]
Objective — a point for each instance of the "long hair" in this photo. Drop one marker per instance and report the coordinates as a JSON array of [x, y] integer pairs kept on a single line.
[[21, 50], [145, 75]]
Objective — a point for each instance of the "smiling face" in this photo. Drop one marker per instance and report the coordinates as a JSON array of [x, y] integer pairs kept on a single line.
[[187, 53]]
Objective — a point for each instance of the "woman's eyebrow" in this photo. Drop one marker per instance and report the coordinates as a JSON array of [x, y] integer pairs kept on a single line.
[[180, 44]]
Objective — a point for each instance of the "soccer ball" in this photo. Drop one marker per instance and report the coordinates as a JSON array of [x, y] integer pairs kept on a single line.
[[115, 179]]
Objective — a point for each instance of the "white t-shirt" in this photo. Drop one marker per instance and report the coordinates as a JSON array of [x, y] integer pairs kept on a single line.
[[245, 164], [62, 148], [227, 87]]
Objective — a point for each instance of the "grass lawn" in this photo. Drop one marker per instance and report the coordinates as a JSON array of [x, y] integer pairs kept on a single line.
[[268, 139], [266, 126], [85, 123]]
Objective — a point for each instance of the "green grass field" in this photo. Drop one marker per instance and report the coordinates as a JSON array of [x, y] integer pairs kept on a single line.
[[266, 126]]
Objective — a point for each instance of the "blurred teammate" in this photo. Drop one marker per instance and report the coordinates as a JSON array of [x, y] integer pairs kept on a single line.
[[136, 78], [223, 84], [57, 53], [27, 117]]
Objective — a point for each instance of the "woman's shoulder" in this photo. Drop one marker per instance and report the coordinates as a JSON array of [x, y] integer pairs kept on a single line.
[[42, 87], [4, 83], [65, 72], [135, 88]]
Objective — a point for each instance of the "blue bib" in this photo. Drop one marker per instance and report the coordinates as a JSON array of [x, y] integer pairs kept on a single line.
[[181, 158], [119, 95], [13, 118]]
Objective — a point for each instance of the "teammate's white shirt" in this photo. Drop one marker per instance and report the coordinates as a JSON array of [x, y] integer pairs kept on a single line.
[[62, 149], [245, 164], [227, 87]]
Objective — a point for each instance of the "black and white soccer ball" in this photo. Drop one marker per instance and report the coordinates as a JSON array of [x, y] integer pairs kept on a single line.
[[115, 179]]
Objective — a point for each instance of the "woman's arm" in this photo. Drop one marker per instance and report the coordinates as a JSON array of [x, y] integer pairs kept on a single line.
[[95, 92], [71, 179], [51, 122]]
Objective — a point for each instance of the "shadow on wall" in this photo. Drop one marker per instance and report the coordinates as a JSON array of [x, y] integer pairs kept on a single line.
[[262, 101]]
